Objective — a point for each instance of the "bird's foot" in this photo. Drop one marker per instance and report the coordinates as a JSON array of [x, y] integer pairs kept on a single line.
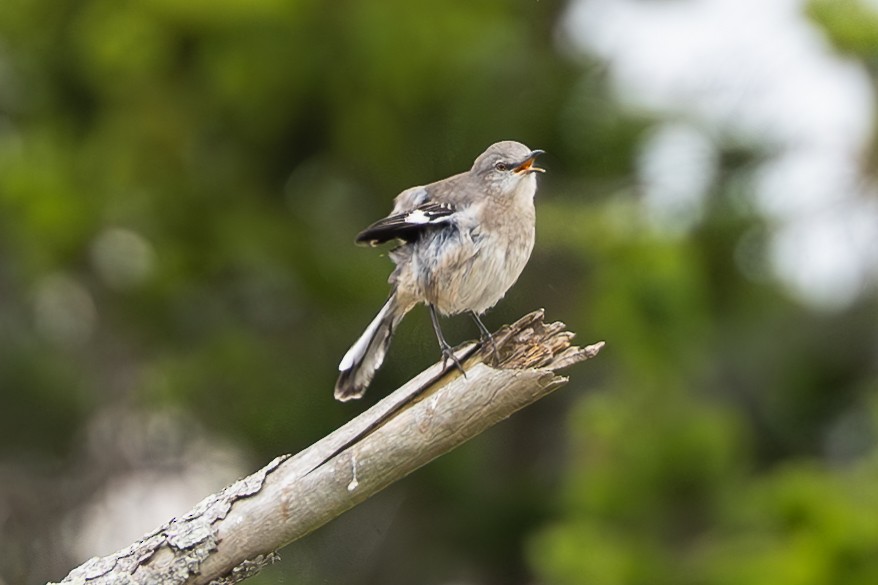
[[485, 336], [448, 354], [490, 339]]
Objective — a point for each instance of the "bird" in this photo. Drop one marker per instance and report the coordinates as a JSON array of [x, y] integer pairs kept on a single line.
[[462, 241]]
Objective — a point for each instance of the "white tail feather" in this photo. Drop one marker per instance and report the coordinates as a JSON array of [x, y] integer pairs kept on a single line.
[[362, 360], [358, 349]]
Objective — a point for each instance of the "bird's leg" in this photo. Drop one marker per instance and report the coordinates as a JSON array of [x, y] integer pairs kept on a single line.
[[485, 334], [447, 352]]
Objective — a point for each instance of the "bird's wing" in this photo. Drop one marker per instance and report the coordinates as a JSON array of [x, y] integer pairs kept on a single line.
[[410, 199], [407, 225]]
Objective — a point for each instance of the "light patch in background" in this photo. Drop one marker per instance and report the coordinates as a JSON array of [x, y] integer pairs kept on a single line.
[[122, 258], [835, 242], [676, 166], [64, 311], [761, 73], [162, 464]]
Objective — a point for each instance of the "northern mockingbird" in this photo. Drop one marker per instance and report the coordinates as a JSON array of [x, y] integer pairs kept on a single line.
[[464, 242]]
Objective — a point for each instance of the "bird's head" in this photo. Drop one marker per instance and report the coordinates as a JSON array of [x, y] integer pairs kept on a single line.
[[506, 165]]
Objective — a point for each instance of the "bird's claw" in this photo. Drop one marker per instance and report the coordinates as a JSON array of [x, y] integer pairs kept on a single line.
[[490, 339], [448, 354]]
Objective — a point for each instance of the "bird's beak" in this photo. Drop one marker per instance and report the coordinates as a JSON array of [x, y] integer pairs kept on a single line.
[[527, 166]]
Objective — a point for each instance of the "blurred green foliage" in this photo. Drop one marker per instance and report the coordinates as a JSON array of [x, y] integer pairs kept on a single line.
[[180, 184], [851, 24]]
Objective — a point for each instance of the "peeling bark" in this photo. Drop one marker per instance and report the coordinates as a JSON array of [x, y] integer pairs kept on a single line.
[[233, 534]]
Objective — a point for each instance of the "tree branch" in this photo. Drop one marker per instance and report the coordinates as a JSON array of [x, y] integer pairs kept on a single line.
[[231, 535]]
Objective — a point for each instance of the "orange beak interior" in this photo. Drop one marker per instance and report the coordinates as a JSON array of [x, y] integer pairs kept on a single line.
[[528, 167]]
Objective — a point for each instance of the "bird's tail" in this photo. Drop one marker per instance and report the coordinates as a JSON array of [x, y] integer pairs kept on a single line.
[[359, 364]]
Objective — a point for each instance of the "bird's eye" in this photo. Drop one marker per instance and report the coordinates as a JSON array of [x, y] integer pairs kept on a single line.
[[501, 166]]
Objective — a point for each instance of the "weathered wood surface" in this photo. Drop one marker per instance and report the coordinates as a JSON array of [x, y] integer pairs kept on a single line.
[[231, 535]]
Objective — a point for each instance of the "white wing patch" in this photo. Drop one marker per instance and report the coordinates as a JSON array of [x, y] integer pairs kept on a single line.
[[430, 213], [417, 216], [406, 225]]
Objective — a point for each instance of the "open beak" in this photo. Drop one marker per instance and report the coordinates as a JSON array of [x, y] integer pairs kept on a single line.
[[527, 166]]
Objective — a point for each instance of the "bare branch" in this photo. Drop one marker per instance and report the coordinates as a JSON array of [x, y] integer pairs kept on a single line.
[[231, 535]]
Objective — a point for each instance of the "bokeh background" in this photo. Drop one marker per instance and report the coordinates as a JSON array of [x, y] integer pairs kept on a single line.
[[180, 185]]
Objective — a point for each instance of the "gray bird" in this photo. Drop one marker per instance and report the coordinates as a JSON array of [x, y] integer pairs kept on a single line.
[[464, 241]]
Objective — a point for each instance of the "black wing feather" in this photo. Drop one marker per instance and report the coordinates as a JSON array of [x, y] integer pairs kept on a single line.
[[406, 226]]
